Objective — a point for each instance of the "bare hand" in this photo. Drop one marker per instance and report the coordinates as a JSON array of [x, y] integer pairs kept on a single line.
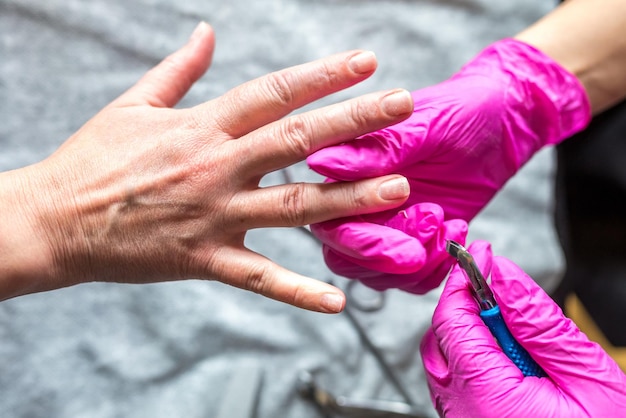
[[145, 193]]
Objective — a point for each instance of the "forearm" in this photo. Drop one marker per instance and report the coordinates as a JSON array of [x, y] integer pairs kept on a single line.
[[588, 38]]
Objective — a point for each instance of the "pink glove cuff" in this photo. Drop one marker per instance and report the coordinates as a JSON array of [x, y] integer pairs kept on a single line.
[[549, 98]]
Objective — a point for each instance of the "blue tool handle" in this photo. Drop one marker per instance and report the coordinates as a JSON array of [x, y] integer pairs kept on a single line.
[[518, 355]]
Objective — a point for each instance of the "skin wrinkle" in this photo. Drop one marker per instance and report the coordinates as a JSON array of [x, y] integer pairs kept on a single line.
[[296, 133], [293, 211], [278, 85], [256, 278], [359, 113]]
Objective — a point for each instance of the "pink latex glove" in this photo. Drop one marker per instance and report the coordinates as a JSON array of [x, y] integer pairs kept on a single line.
[[417, 256], [467, 136], [469, 375]]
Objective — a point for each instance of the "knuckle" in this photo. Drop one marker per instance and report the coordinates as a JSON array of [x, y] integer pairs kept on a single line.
[[294, 211], [294, 296], [361, 113], [280, 88], [348, 198], [357, 197], [352, 198], [256, 279], [329, 75], [295, 136]]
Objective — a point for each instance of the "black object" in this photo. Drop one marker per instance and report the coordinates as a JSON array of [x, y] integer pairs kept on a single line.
[[590, 218]]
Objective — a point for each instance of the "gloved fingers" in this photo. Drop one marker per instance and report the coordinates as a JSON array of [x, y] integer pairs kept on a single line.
[[435, 362], [392, 242], [486, 382], [371, 155], [438, 262], [420, 282], [429, 277], [445, 117], [491, 383], [370, 246], [436, 367], [421, 220], [553, 340]]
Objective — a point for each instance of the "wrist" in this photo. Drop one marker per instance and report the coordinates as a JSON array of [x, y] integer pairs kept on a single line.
[[26, 259], [589, 42]]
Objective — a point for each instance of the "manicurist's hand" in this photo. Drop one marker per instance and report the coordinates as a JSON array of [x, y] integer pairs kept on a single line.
[[466, 138], [469, 375], [144, 192]]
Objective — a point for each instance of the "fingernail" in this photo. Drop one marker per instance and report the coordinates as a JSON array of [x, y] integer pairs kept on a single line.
[[397, 188], [198, 31], [362, 63], [397, 103], [332, 302]]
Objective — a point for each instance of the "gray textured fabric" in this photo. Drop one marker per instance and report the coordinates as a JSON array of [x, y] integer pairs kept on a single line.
[[169, 349]]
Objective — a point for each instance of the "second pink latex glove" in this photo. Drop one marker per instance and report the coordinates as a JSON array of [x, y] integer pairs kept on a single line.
[[467, 136], [469, 375]]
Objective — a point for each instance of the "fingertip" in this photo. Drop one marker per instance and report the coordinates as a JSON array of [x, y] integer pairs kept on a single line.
[[307, 293], [480, 249], [457, 286], [363, 62], [332, 302], [317, 296], [394, 189], [251, 271], [456, 230], [456, 297], [398, 103], [202, 30], [168, 82], [456, 289], [203, 38]]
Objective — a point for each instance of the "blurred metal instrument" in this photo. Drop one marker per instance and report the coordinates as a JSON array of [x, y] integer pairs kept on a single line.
[[341, 406]]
